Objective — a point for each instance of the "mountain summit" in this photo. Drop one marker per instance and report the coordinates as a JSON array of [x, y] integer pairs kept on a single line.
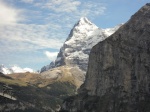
[[75, 51], [77, 46], [84, 20]]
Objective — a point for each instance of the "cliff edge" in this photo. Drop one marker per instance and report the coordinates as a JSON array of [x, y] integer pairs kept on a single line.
[[118, 76]]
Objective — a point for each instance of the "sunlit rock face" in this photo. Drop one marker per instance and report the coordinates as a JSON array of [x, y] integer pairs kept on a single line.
[[118, 76]]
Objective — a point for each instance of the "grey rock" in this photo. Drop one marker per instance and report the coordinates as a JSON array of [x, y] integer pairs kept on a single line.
[[47, 67], [118, 76]]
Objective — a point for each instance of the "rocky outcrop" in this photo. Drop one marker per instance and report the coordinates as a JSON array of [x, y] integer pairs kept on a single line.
[[47, 67], [66, 74], [118, 76]]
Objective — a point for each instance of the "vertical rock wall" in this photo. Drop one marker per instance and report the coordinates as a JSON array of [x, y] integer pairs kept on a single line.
[[118, 77]]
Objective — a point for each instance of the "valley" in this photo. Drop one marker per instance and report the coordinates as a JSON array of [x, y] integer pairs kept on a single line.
[[96, 69]]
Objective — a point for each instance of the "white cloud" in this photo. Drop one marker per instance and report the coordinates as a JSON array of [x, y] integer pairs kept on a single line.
[[62, 5], [51, 55], [57, 27], [30, 37], [73, 6], [67, 12], [92, 9], [27, 1], [51, 34], [8, 14]]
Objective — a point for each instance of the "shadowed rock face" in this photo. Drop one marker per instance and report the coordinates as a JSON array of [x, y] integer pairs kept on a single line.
[[118, 76]]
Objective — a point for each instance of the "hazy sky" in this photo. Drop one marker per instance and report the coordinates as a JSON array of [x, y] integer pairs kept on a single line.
[[32, 31]]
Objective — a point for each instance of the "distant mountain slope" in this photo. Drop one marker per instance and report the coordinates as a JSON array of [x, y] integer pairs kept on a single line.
[[33, 93], [75, 51], [73, 75]]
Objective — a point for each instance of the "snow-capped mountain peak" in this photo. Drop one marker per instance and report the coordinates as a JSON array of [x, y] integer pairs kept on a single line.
[[4, 69], [14, 69], [17, 69], [84, 20], [109, 31], [82, 29], [83, 36]]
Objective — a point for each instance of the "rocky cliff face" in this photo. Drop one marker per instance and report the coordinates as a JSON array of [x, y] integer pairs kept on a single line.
[[118, 76], [47, 67]]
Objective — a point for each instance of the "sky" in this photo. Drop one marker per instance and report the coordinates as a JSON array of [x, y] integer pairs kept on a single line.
[[32, 31]]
